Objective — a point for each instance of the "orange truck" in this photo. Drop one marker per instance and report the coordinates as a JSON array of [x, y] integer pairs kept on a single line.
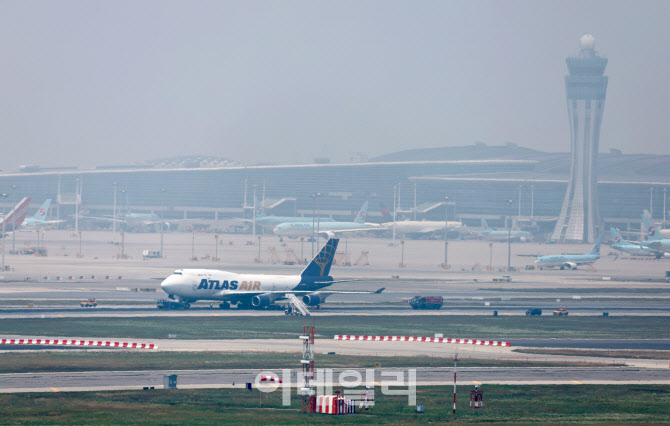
[[90, 303]]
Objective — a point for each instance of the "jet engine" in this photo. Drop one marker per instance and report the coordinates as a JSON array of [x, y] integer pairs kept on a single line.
[[263, 300], [569, 265], [314, 299]]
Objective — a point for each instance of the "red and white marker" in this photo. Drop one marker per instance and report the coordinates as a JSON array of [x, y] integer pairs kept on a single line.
[[70, 342], [422, 339]]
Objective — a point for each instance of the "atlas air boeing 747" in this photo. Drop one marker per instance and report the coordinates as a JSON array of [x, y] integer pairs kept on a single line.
[[257, 291]]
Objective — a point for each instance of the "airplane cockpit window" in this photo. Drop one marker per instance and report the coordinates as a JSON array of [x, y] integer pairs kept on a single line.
[[177, 273]]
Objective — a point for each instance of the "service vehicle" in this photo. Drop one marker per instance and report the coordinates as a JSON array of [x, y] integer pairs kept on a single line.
[[170, 304], [561, 312], [90, 303], [534, 311], [426, 302]]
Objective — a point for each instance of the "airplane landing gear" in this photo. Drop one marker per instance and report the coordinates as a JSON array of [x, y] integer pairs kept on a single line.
[[224, 305]]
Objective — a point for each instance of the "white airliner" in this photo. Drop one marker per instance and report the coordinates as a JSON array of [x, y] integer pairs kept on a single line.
[[256, 291], [305, 229], [423, 226]]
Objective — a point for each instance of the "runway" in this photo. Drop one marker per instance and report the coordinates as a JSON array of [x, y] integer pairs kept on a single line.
[[116, 380]]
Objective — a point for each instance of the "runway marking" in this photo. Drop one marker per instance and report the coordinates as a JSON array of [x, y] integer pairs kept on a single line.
[[365, 314], [61, 316], [507, 314], [477, 383], [138, 315], [55, 389], [646, 315], [436, 314], [377, 384], [216, 315], [575, 381], [579, 315]]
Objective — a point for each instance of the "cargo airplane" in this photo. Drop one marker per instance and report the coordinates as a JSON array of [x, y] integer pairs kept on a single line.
[[257, 291], [570, 261]]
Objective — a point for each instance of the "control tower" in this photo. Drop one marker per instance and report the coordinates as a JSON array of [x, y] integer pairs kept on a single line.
[[585, 88]]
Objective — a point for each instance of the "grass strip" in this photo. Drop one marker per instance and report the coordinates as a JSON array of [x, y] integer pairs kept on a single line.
[[559, 404], [502, 327]]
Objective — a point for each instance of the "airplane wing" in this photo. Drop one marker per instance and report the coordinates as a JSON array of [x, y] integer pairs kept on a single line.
[[255, 293]]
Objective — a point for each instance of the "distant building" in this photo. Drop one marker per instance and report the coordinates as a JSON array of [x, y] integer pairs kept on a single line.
[[586, 86]]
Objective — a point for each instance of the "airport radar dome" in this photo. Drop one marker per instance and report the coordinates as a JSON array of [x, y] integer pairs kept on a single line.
[[587, 41]]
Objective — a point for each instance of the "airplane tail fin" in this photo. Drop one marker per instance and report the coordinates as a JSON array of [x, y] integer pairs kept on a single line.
[[485, 226], [652, 232], [616, 236], [362, 214], [596, 246], [320, 265], [17, 215], [41, 214]]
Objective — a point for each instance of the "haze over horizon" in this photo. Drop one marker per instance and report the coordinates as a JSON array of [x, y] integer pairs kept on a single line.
[[93, 83]]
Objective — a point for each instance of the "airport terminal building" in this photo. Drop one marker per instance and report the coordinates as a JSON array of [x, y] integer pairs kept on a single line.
[[479, 180]]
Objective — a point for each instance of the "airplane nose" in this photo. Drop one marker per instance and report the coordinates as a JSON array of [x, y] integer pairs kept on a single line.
[[168, 285]]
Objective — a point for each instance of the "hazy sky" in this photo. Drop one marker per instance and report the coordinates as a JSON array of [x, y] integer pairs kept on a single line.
[[90, 83]]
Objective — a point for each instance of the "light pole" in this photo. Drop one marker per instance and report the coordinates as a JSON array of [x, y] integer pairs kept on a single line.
[[123, 226], [664, 189], [3, 232], [509, 238], [402, 255], [80, 254], [14, 225], [163, 190], [253, 223], [76, 205], [651, 201], [114, 215], [259, 249], [490, 256], [302, 249], [446, 231], [315, 196], [395, 189], [193, 246], [318, 218], [216, 248]]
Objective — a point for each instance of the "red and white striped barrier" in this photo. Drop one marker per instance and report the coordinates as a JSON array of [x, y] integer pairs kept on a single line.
[[69, 342], [422, 339], [334, 404]]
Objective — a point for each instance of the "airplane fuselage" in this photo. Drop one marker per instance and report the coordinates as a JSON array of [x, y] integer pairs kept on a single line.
[[303, 229], [566, 259], [212, 284]]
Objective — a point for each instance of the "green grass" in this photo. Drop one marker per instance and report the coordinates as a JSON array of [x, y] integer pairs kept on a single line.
[[277, 327], [32, 362], [504, 404]]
